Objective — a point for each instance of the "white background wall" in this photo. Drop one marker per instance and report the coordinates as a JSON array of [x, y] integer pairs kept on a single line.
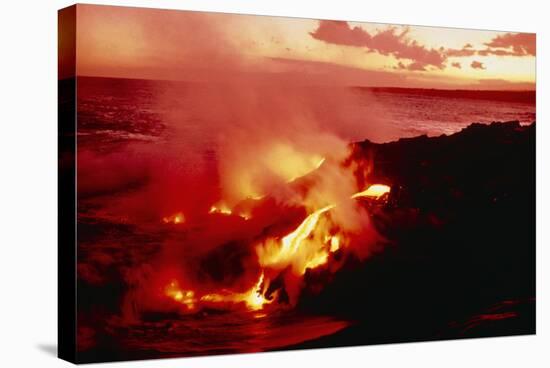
[[28, 182]]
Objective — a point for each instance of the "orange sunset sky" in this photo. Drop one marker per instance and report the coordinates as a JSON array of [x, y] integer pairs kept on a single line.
[[179, 45]]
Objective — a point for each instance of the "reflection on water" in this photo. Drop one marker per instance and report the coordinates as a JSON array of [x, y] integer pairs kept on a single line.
[[217, 333]]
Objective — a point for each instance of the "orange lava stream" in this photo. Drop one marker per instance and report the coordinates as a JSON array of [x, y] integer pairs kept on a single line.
[[177, 218], [374, 191], [307, 247], [253, 298]]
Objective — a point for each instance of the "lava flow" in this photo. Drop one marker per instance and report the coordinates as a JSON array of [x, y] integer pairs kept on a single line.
[[296, 249], [374, 191], [221, 208], [308, 246], [176, 218], [254, 298]]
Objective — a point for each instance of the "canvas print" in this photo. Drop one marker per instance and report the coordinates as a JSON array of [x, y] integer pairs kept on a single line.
[[244, 183]]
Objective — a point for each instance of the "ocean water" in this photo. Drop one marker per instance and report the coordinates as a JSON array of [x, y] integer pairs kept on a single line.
[[433, 112], [112, 111]]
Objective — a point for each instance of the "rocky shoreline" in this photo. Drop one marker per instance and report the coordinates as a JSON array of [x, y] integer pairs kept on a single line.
[[460, 228]]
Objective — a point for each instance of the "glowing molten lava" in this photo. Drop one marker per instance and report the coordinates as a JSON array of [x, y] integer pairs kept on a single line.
[[253, 298], [307, 247], [334, 243], [221, 208], [303, 248], [185, 297], [296, 248], [177, 218], [374, 191]]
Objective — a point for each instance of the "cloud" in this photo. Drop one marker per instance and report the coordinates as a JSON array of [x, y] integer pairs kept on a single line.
[[385, 42], [414, 66], [509, 44], [518, 44], [498, 52], [463, 52], [477, 65], [340, 33], [395, 42]]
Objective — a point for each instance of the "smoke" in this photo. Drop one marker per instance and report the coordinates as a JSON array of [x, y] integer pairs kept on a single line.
[[235, 132], [238, 125], [267, 131]]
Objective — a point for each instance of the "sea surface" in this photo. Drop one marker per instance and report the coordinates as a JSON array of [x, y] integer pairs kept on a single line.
[[125, 110], [416, 112]]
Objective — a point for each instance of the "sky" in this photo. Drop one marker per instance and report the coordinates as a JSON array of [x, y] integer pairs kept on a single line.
[[194, 46]]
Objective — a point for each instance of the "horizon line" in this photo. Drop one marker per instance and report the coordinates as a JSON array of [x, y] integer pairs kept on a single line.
[[350, 85]]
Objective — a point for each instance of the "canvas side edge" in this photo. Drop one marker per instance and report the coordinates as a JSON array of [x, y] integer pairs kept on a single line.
[[67, 184]]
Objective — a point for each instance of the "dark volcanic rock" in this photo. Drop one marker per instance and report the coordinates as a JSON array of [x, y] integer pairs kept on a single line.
[[460, 226], [480, 163]]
